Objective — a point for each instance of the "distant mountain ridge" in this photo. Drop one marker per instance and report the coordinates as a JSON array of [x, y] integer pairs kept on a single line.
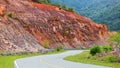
[[100, 11]]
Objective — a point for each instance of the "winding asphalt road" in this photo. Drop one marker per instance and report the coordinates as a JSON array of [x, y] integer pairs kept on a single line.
[[52, 61]]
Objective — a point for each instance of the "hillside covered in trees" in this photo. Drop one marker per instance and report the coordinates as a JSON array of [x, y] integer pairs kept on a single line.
[[100, 11]]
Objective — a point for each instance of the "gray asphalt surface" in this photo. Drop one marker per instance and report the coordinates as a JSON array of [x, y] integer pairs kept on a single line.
[[52, 61]]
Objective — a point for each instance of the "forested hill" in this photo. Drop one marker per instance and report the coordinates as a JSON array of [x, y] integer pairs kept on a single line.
[[100, 11]]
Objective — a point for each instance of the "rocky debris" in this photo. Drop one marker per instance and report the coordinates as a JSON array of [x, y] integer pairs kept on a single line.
[[26, 25], [2, 7]]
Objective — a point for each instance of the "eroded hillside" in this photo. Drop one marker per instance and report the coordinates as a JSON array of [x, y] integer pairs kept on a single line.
[[29, 26]]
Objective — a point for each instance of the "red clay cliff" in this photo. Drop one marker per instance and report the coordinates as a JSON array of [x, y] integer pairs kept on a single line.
[[29, 26]]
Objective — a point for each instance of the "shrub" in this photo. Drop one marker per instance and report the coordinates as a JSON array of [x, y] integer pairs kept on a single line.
[[59, 48], [110, 58], [70, 9], [63, 6], [42, 1], [45, 44], [11, 15], [115, 37], [106, 48], [57, 5], [94, 50]]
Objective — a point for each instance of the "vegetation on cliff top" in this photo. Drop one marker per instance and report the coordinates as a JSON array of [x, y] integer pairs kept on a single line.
[[58, 5], [101, 11]]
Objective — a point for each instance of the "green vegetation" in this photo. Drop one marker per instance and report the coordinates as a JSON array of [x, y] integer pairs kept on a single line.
[[100, 11], [106, 48], [58, 5], [115, 41], [110, 58], [59, 48], [115, 37], [7, 61], [43, 1], [87, 58], [11, 15], [45, 44], [70, 9], [100, 55], [94, 50], [97, 49]]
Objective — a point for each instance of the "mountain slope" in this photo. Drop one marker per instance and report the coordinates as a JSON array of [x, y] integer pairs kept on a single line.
[[29, 26], [101, 11]]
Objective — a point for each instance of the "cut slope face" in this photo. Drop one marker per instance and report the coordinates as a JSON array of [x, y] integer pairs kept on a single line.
[[29, 26]]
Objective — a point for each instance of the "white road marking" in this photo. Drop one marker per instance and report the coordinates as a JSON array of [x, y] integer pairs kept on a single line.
[[16, 64]]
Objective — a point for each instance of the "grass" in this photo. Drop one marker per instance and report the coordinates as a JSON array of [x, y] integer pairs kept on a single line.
[[86, 58], [8, 61]]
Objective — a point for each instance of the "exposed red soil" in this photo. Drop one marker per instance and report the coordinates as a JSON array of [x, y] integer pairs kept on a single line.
[[33, 23]]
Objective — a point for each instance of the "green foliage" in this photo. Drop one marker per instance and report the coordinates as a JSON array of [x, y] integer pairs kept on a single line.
[[45, 44], [57, 5], [100, 11], [11, 15], [43, 1], [8, 61], [110, 58], [59, 48], [63, 6], [70, 9], [66, 8], [106, 48], [94, 50], [115, 38], [86, 58]]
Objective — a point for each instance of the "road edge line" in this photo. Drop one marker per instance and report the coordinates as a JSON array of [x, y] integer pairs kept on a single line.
[[15, 64]]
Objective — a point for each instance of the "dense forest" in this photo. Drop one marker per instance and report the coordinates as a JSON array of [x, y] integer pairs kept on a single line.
[[100, 11]]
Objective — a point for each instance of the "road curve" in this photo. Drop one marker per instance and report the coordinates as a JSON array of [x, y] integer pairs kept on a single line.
[[52, 61]]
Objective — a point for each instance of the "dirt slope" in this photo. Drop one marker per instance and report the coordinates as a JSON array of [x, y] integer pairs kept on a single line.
[[29, 26]]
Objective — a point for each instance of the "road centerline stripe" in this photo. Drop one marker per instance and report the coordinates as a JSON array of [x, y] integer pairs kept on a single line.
[[53, 65]]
